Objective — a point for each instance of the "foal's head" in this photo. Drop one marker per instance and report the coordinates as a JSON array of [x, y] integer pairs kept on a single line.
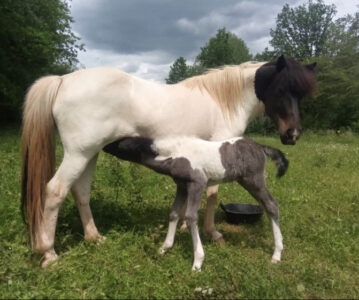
[[281, 85]]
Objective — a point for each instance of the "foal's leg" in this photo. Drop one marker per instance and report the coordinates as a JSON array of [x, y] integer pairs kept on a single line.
[[195, 191], [209, 227], [177, 207], [81, 191], [70, 169], [261, 194], [272, 209]]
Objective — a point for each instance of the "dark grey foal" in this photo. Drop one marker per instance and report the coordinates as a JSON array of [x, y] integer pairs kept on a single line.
[[194, 164]]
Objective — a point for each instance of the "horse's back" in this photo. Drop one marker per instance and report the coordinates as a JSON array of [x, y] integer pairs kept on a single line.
[[93, 106], [85, 85]]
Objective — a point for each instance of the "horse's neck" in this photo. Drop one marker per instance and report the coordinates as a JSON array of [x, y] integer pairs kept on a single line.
[[249, 108]]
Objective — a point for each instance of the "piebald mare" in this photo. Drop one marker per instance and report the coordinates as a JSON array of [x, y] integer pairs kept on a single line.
[[195, 164]]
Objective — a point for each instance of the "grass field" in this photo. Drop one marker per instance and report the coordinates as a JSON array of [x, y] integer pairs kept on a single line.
[[319, 206]]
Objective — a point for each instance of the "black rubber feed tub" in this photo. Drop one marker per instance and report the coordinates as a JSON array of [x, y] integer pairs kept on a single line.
[[242, 212]]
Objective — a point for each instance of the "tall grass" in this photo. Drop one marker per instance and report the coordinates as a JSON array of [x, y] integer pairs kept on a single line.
[[319, 219]]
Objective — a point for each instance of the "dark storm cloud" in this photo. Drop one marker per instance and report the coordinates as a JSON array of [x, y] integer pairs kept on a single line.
[[137, 26], [176, 27]]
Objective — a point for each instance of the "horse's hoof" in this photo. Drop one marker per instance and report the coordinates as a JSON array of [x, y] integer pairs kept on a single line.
[[50, 257], [217, 237], [221, 241], [97, 239], [275, 261], [184, 226], [100, 240]]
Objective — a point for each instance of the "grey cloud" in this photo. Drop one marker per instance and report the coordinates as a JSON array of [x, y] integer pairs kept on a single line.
[[139, 26], [144, 37], [176, 27]]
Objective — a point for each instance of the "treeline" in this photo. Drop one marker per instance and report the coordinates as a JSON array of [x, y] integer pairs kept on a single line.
[[35, 40], [308, 33]]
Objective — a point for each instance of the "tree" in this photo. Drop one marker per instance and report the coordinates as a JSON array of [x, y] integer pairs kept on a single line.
[[302, 32], [178, 71], [35, 40], [240, 51], [223, 49], [343, 36], [266, 55], [337, 103]]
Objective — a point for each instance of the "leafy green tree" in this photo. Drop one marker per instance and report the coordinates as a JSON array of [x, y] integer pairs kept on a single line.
[[178, 71], [195, 70], [35, 40], [239, 49], [302, 32], [223, 49], [266, 55], [343, 38], [337, 103]]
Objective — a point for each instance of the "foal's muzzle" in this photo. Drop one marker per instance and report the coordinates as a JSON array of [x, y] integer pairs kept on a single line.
[[291, 136]]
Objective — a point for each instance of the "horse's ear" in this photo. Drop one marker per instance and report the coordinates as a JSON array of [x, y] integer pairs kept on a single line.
[[311, 66], [281, 63]]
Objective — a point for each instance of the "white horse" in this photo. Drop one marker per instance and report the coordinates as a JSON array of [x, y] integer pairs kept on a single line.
[[91, 108]]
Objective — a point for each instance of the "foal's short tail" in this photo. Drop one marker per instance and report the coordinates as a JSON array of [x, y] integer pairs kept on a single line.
[[278, 158], [38, 149]]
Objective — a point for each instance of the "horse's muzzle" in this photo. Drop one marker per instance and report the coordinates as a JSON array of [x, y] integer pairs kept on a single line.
[[291, 136]]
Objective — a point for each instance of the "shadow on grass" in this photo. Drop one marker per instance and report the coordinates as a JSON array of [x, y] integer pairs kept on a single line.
[[110, 216], [146, 219]]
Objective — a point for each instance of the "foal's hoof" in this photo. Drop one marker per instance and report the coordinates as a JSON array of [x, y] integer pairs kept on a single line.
[[161, 251], [196, 269], [274, 261]]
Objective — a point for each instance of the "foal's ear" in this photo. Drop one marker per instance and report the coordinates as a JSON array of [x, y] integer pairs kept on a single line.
[[281, 63], [311, 66]]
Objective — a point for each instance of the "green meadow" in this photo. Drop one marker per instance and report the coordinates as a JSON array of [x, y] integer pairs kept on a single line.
[[319, 208]]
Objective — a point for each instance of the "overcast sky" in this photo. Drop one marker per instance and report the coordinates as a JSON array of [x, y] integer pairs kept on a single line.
[[144, 37]]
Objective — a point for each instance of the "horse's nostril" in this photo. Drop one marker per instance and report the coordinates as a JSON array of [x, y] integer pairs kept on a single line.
[[290, 132], [293, 133]]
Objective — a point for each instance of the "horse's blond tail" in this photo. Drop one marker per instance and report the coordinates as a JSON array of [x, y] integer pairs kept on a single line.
[[38, 150]]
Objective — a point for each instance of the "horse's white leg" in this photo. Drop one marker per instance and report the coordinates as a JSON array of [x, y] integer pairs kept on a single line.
[[193, 203], [209, 227], [70, 169], [177, 208], [81, 192]]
